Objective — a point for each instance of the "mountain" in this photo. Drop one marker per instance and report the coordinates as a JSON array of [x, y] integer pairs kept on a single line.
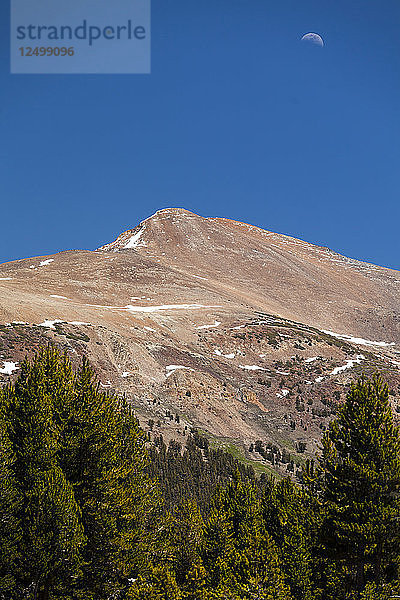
[[244, 333]]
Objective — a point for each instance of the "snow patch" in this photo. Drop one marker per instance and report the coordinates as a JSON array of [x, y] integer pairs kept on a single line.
[[150, 309], [219, 353], [356, 340], [55, 296], [9, 368], [310, 360], [5, 278], [50, 324], [44, 263], [106, 385], [252, 368], [172, 368], [349, 364], [135, 242], [216, 324]]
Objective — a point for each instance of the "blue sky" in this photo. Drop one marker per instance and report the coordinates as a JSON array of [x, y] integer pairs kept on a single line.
[[238, 119]]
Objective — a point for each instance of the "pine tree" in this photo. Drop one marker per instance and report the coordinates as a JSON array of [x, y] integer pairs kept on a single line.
[[103, 455], [52, 535], [361, 468], [290, 517], [240, 554], [219, 555], [160, 585], [10, 501], [196, 582], [186, 537]]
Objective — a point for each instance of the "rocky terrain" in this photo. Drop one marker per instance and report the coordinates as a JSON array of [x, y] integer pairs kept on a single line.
[[251, 336]]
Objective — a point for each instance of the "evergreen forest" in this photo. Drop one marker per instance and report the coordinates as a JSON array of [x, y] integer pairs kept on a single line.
[[91, 510]]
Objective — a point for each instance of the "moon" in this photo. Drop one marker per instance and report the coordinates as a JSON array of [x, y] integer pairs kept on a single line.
[[313, 38]]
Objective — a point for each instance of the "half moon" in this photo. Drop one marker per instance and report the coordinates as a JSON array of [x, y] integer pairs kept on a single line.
[[313, 38]]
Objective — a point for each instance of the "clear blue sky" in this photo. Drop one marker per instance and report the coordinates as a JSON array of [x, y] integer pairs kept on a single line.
[[238, 119]]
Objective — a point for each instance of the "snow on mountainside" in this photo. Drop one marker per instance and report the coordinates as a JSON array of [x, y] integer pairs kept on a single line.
[[245, 333]]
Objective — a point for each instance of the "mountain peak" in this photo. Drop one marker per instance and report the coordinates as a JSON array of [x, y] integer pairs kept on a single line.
[[166, 213], [133, 238], [173, 211]]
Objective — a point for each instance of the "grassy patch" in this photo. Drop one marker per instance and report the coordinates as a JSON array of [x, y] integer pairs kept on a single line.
[[235, 450]]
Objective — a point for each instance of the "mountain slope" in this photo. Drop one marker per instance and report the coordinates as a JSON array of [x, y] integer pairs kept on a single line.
[[272, 272], [220, 324]]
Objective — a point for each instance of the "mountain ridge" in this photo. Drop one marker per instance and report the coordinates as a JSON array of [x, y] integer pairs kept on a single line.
[[233, 222]]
